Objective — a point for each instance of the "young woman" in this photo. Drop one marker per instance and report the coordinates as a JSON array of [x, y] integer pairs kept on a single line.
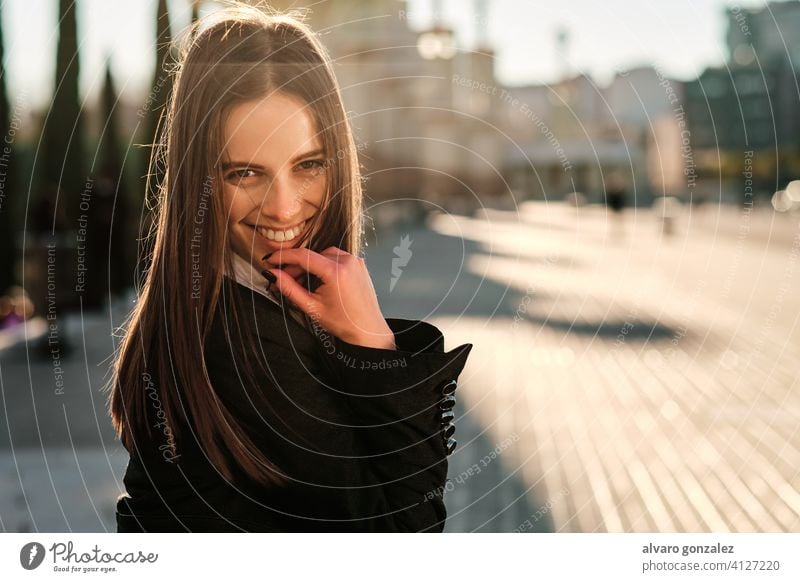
[[258, 386]]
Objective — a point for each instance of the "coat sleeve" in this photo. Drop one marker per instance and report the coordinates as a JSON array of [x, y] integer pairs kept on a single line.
[[399, 397]]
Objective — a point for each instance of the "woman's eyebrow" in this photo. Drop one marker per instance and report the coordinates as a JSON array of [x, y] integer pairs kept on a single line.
[[232, 164]]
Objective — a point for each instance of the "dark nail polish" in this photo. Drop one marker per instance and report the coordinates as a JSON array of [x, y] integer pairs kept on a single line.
[[269, 276], [268, 255]]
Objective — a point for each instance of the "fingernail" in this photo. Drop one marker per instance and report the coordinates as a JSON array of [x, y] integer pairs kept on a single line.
[[268, 255], [269, 276]]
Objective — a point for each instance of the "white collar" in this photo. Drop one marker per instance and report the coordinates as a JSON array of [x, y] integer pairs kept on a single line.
[[245, 274]]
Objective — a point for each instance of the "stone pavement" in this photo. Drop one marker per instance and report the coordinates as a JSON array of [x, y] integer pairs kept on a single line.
[[621, 380], [652, 381]]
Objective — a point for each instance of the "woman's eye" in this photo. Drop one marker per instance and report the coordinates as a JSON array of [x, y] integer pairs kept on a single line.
[[240, 174], [312, 165], [245, 175]]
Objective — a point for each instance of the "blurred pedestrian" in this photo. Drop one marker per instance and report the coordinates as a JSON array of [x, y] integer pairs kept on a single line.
[[616, 201]]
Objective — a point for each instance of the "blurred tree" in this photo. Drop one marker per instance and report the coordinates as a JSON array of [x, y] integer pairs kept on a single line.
[[110, 161], [108, 262], [60, 177], [121, 259], [62, 165]]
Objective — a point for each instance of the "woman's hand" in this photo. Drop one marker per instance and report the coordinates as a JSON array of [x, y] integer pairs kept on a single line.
[[344, 304]]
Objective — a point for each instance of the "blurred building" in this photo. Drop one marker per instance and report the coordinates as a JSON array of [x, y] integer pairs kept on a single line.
[[648, 112], [771, 33], [746, 114], [572, 135]]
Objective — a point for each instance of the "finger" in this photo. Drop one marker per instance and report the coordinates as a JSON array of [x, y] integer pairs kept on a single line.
[[335, 254], [315, 263], [334, 251], [294, 292]]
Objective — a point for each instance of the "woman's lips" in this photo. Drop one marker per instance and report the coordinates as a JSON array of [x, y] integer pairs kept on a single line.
[[276, 244]]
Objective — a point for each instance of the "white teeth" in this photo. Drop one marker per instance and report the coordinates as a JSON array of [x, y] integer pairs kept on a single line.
[[282, 235]]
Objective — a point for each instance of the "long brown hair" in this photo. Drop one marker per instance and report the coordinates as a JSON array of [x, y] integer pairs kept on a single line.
[[238, 53]]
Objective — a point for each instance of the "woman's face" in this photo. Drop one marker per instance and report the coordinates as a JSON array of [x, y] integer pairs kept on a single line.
[[273, 171]]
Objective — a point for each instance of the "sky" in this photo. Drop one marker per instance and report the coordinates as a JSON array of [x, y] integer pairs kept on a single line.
[[682, 37]]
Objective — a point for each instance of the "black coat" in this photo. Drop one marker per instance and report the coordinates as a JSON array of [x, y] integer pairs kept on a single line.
[[356, 430]]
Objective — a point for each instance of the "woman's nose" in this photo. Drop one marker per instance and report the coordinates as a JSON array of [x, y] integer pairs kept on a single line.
[[281, 202]]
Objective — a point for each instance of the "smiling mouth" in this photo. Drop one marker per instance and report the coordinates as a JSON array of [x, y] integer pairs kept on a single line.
[[280, 236]]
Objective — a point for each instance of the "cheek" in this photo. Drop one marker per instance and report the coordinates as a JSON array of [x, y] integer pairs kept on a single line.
[[315, 194], [236, 204]]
